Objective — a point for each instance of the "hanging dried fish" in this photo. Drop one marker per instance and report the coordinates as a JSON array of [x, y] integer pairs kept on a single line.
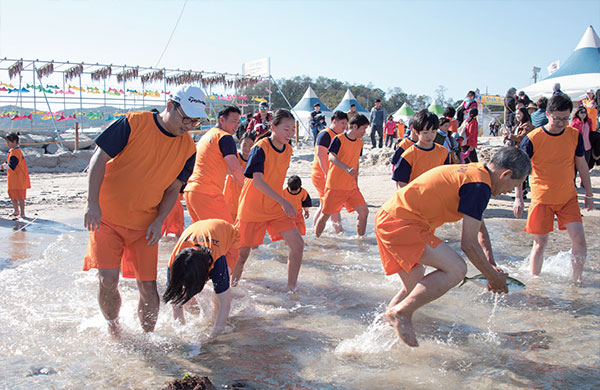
[[102, 73], [15, 69], [46, 70], [73, 72], [149, 77]]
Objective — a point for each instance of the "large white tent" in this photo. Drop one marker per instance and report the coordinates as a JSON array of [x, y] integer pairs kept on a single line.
[[303, 109], [349, 99], [580, 72]]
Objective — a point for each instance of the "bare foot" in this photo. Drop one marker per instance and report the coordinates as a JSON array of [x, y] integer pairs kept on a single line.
[[14, 215], [114, 329], [338, 227], [404, 328]]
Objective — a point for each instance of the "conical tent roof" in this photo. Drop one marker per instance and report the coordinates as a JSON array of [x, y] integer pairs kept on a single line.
[[347, 100], [435, 108], [403, 112], [307, 103], [580, 72]]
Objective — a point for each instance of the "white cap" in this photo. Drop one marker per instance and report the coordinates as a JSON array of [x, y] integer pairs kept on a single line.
[[191, 99], [590, 91]]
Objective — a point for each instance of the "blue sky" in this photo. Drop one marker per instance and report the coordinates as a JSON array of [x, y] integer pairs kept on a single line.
[[414, 45]]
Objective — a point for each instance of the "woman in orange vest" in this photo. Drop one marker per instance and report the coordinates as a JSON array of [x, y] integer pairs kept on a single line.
[[17, 175]]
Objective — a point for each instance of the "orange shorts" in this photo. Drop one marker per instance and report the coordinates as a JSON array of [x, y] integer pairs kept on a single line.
[[253, 233], [319, 183], [334, 200], [115, 246], [300, 225], [174, 221], [17, 194], [203, 206], [401, 243], [540, 219]]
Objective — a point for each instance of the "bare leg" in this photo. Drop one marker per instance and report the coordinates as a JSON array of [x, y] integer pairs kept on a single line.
[[321, 222], [239, 267], [361, 222], [22, 207], [109, 298], [317, 216], [409, 281], [178, 314], [294, 240], [15, 204], [578, 249], [336, 219], [536, 256], [450, 270], [148, 305]]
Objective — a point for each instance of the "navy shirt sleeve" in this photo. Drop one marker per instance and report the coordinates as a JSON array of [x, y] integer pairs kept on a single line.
[[527, 146], [187, 170], [256, 162], [115, 137], [396, 157], [307, 202], [447, 160], [580, 150], [13, 162], [335, 146], [474, 198], [324, 139], [402, 171], [220, 275], [227, 146]]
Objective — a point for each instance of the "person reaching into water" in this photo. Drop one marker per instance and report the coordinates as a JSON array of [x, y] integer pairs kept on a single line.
[[405, 226], [17, 176], [204, 251], [556, 151], [135, 175], [300, 199], [262, 208]]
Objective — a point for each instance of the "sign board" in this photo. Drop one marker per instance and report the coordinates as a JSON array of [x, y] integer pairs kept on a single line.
[[492, 100], [260, 67]]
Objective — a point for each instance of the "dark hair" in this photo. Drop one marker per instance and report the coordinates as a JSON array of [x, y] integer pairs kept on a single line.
[[514, 159], [443, 121], [280, 115], [378, 101], [251, 136], [473, 112], [560, 102], [294, 183], [460, 114], [359, 120], [425, 119], [228, 110], [390, 117], [542, 102], [525, 113], [511, 91], [449, 112], [339, 115], [249, 116], [581, 109], [263, 104], [352, 105], [154, 110], [471, 93], [188, 274], [13, 136]]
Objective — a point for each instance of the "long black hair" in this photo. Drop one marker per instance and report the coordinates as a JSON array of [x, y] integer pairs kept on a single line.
[[188, 274]]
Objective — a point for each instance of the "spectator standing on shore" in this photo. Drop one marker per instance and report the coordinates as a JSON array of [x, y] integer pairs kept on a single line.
[[260, 121], [523, 98], [449, 113], [243, 126], [592, 108], [583, 123], [317, 122], [471, 134], [376, 119], [538, 118], [510, 106], [556, 89], [390, 131], [522, 127], [352, 113]]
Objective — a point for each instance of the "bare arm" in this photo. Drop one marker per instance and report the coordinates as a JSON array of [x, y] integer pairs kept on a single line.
[[519, 204], [259, 182], [235, 169], [93, 214], [322, 158], [338, 163], [471, 246], [165, 206], [222, 304], [584, 173], [484, 241]]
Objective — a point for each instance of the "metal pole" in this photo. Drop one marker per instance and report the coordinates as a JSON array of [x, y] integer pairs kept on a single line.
[[124, 91], [80, 97], [34, 105], [76, 136]]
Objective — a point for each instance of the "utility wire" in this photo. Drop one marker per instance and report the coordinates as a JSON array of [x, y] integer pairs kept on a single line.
[[172, 32]]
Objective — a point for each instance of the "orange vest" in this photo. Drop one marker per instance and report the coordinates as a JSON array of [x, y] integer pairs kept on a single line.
[[405, 143], [433, 197], [349, 154], [210, 168], [553, 166], [423, 160], [592, 112], [215, 234], [295, 199], [17, 179], [232, 190], [317, 172], [401, 127], [254, 205], [135, 179]]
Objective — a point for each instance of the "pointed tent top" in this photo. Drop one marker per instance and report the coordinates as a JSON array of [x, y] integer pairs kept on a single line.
[[435, 108], [347, 100], [403, 112], [306, 104], [589, 39]]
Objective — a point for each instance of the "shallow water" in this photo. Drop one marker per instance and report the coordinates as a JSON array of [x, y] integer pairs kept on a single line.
[[328, 336]]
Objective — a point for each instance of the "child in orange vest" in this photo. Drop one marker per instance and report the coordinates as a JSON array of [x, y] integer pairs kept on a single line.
[[300, 199], [262, 208], [17, 175]]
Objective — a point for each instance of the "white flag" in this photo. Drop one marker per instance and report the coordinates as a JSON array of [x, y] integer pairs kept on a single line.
[[553, 67]]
